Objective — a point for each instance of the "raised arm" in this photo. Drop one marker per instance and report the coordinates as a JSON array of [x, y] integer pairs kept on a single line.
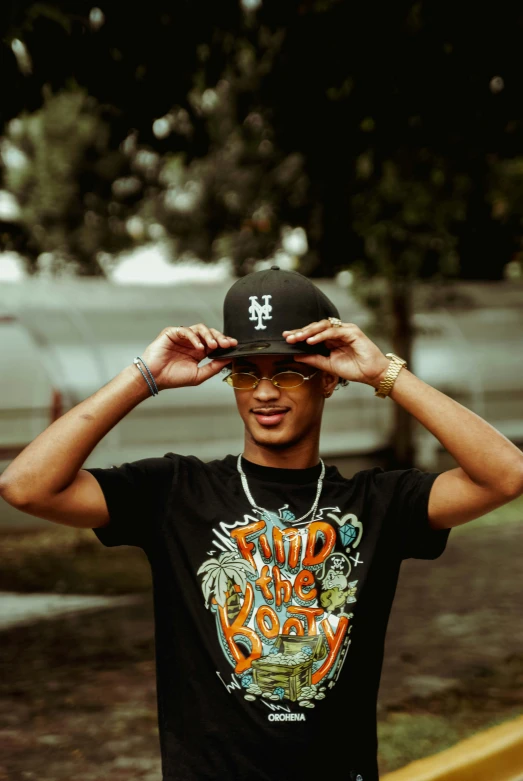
[[490, 471], [46, 478]]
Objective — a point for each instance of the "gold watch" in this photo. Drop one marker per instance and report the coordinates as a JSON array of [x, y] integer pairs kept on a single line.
[[395, 366]]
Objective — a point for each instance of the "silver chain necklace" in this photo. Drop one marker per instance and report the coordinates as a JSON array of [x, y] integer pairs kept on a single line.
[[257, 507]]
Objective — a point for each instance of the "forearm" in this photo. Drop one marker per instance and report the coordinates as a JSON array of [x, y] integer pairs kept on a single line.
[[52, 460], [485, 455]]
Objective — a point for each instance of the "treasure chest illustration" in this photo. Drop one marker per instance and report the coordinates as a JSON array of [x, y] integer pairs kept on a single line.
[[288, 668]]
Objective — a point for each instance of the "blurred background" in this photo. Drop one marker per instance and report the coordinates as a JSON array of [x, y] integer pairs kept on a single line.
[[150, 155]]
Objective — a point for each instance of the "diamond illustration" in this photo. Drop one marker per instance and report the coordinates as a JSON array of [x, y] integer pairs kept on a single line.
[[348, 534]]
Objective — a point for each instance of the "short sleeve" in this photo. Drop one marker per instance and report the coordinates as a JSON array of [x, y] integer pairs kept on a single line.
[[409, 502], [136, 494]]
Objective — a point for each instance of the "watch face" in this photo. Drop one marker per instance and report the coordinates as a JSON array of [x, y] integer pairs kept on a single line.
[[397, 357]]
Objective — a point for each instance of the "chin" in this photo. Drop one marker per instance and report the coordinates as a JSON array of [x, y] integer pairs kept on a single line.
[[273, 445], [275, 440]]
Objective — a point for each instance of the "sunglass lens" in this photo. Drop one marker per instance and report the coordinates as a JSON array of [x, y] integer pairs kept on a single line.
[[288, 379], [241, 381]]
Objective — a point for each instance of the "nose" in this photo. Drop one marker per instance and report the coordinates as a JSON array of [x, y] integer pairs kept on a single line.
[[265, 390]]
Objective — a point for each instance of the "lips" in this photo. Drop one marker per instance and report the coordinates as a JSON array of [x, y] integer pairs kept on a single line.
[[270, 417]]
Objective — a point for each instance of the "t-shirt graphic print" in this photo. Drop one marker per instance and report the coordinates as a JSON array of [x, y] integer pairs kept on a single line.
[[269, 626], [281, 596]]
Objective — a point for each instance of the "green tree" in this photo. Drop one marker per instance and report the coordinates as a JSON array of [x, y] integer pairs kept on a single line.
[[386, 130], [58, 164], [506, 200], [407, 213], [236, 199], [206, 173], [398, 117]]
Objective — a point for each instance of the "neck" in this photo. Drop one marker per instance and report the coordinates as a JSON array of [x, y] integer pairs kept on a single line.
[[300, 455]]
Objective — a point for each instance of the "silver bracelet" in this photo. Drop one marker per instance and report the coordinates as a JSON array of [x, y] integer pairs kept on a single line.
[[136, 360], [149, 373]]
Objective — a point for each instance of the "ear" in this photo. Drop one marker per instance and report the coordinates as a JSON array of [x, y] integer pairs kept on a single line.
[[328, 383]]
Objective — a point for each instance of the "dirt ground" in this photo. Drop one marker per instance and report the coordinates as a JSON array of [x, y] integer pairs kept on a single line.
[[79, 699]]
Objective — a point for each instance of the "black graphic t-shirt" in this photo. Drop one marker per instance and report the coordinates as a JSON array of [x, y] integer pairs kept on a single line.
[[269, 635]]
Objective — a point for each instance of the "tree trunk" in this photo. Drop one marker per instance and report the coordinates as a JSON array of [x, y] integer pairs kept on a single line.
[[402, 450], [233, 601]]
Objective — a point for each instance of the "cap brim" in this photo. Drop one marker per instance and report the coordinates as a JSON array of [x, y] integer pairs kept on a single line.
[[274, 347]]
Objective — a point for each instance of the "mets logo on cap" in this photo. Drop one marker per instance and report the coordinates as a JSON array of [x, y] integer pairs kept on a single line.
[[260, 305], [259, 311]]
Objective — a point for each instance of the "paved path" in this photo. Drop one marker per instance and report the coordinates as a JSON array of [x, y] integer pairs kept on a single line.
[[23, 609]]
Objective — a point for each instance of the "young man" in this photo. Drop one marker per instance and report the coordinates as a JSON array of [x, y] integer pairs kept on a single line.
[[273, 575]]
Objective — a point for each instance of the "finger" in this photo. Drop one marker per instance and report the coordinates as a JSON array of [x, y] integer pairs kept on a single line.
[[318, 361], [300, 331], [334, 332], [210, 369], [308, 330], [206, 335], [316, 327], [224, 341], [183, 335], [214, 338]]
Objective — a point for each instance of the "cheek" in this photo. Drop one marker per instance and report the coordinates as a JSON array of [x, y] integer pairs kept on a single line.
[[307, 404], [243, 399]]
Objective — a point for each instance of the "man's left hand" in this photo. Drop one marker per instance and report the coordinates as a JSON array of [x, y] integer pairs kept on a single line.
[[353, 355]]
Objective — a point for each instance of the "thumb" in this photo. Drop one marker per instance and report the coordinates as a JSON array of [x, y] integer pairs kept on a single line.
[[208, 370], [318, 361]]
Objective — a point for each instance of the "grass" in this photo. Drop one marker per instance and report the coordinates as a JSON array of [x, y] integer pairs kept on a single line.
[[65, 560], [420, 727], [508, 513], [406, 737]]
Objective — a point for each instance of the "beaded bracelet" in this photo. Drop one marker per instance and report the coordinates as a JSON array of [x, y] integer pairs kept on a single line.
[[145, 378]]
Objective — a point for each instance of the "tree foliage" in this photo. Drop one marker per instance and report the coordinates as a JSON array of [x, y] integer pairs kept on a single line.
[[388, 115], [60, 167], [390, 132]]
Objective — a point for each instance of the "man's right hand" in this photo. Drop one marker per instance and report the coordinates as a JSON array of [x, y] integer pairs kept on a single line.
[[47, 480], [174, 355]]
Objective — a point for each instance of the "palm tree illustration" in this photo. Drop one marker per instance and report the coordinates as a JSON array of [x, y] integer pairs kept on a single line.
[[220, 576]]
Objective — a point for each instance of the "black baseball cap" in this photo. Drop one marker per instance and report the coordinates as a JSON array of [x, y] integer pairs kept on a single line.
[[259, 306]]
